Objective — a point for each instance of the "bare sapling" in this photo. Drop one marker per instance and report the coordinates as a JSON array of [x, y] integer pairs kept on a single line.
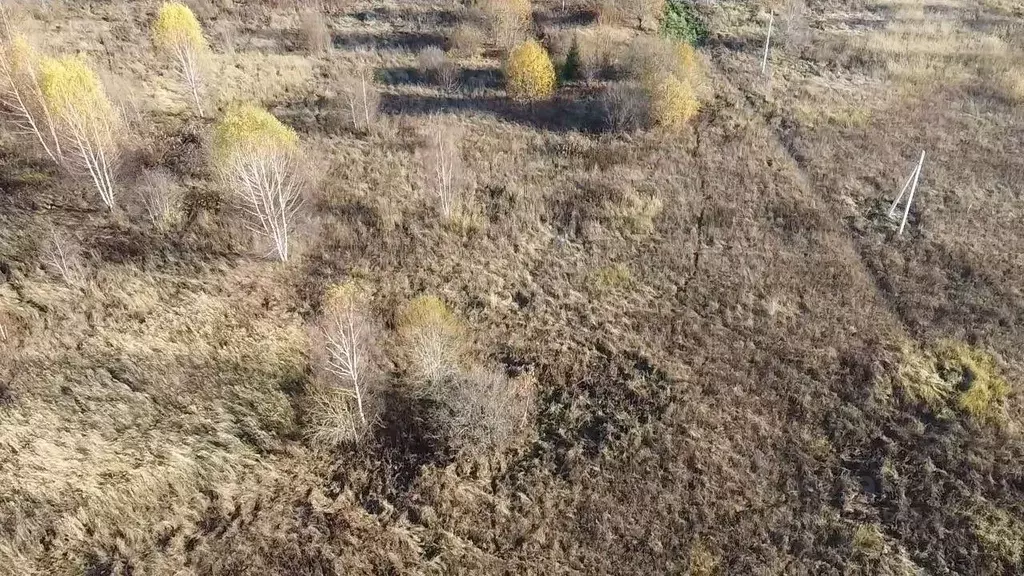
[[444, 169], [360, 99], [912, 181], [346, 333], [63, 256]]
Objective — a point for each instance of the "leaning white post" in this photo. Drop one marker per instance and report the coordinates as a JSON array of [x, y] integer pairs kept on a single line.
[[767, 42], [910, 199], [896, 202]]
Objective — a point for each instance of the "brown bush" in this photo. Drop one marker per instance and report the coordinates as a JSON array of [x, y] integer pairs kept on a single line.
[[159, 198], [606, 12], [314, 32], [436, 66], [509, 20], [794, 31], [466, 40], [598, 55], [644, 14], [626, 106], [665, 74], [433, 341], [482, 411]]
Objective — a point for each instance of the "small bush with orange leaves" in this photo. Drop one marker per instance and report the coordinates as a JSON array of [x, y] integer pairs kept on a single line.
[[669, 76], [529, 73]]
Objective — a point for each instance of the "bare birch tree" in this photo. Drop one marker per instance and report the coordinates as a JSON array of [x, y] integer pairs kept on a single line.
[[348, 341], [444, 169], [85, 120], [178, 34], [360, 99], [258, 158], [20, 94]]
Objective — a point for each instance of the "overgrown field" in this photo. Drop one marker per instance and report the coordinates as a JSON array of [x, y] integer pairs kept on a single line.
[[396, 290]]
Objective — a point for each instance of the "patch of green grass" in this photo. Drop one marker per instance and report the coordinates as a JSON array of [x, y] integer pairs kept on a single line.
[[974, 373], [1000, 534], [681, 21], [607, 278], [957, 373], [868, 541]]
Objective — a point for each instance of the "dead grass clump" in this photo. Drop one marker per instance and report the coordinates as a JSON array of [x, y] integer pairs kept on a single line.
[[160, 198], [974, 373], [509, 20], [433, 340], [314, 32], [1001, 535], [483, 410], [440, 69], [954, 374], [610, 278], [868, 541], [466, 40], [1013, 84], [794, 31]]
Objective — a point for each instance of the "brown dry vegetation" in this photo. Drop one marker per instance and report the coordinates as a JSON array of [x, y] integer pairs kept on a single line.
[[699, 351]]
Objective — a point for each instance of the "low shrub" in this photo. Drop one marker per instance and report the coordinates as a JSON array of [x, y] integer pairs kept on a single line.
[[436, 66], [314, 32], [529, 73], [433, 341], [466, 40]]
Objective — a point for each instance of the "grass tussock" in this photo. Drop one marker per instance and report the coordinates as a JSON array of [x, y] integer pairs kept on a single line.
[[954, 374]]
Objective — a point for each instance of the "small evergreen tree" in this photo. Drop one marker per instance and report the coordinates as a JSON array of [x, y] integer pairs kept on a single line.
[[572, 70]]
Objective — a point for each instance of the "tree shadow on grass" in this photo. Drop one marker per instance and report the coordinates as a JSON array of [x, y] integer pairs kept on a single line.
[[469, 78], [432, 18], [559, 114], [413, 41], [573, 16]]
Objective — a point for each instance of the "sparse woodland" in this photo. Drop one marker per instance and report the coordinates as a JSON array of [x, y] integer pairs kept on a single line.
[[296, 287]]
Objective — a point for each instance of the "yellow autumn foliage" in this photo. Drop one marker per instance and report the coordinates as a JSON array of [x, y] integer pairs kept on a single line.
[[176, 27], [529, 73], [673, 102], [249, 128], [73, 90]]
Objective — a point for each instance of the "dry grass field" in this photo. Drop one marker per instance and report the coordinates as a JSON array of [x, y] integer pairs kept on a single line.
[[699, 348]]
